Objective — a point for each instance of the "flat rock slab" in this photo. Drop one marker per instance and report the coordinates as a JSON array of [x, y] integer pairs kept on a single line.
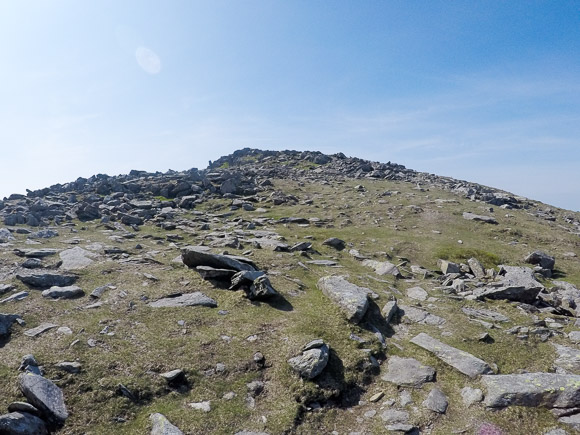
[[568, 359], [408, 372], [328, 263], [207, 272], [417, 293], [416, 315], [352, 299], [44, 395], [68, 292], [382, 267], [193, 256], [162, 426], [458, 359], [36, 253], [76, 258], [47, 280], [479, 218], [483, 314], [548, 390], [14, 297], [186, 300], [43, 327], [22, 423]]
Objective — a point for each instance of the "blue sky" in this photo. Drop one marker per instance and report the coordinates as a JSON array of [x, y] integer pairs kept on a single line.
[[487, 91]]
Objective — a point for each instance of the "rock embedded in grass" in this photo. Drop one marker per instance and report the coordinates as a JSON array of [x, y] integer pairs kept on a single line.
[[45, 396], [352, 299], [312, 361]]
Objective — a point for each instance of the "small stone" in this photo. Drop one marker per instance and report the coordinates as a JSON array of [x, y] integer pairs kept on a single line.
[[201, 406], [229, 396], [436, 401], [172, 375], [162, 426], [69, 367], [376, 397]]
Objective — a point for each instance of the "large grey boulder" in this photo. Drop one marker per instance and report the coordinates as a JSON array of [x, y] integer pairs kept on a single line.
[[408, 372], [516, 284], [22, 423], [532, 389], [44, 395], [261, 289], [187, 300], [542, 259], [312, 361], [568, 359], [382, 267], [462, 361], [476, 267], [47, 280], [193, 256], [6, 321], [352, 299], [76, 258], [162, 426], [448, 267], [68, 292]]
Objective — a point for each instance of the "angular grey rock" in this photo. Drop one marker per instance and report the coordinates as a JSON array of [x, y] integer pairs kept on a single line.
[[571, 420], [44, 395], [172, 375], [6, 321], [352, 299], [68, 292], [185, 300], [517, 284], [476, 268], [5, 288], [532, 389], [5, 235], [261, 289], [47, 280], [43, 234], [417, 293], [162, 426], [416, 315], [43, 327], [485, 314], [394, 416], [542, 259], [408, 372], [32, 263], [471, 395], [390, 310], [100, 291], [382, 267], [76, 258], [69, 366], [458, 359], [336, 243], [565, 297], [436, 401], [479, 218], [14, 297], [194, 256], [311, 362], [448, 267], [245, 277], [22, 423], [568, 359], [23, 407]]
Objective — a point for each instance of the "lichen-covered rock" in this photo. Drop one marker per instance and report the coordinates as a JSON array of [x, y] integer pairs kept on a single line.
[[44, 395], [352, 299]]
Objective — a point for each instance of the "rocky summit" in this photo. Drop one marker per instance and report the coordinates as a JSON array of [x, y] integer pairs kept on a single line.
[[287, 292]]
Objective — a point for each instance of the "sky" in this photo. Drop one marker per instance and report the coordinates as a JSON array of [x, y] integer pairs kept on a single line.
[[485, 91]]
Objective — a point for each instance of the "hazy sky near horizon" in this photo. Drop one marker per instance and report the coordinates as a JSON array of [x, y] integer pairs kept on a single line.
[[487, 91]]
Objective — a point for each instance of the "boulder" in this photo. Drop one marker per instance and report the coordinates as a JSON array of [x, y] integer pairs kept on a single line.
[[408, 372], [436, 401], [542, 259], [568, 359], [458, 359], [517, 284], [417, 293], [312, 361], [382, 267], [448, 266], [194, 256], [352, 299], [68, 292], [76, 258], [185, 300], [476, 268], [22, 423], [44, 395], [261, 289], [47, 280], [162, 426], [565, 297], [416, 315], [5, 235], [547, 390]]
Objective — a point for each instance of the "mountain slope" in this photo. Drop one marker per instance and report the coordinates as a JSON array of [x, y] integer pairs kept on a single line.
[[128, 236]]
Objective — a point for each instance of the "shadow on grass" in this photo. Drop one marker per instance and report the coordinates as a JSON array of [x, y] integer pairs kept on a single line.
[[278, 302]]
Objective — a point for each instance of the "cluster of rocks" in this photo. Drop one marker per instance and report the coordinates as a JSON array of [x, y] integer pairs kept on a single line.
[[141, 196]]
